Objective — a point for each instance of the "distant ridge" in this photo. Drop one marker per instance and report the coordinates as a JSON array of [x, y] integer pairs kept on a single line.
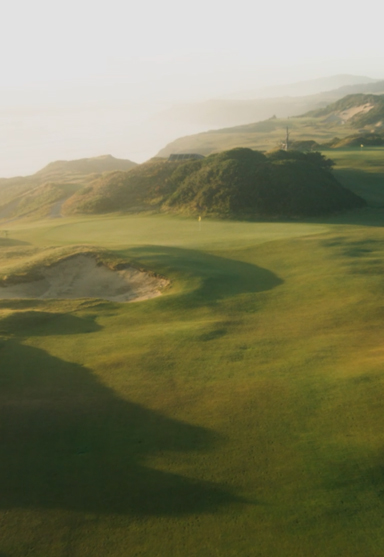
[[375, 87], [361, 111], [103, 163], [307, 87], [218, 113]]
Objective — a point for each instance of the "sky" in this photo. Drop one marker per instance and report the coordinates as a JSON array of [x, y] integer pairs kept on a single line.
[[146, 53], [181, 48]]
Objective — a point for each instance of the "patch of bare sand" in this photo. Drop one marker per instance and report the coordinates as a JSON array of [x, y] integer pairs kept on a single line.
[[351, 112], [82, 277]]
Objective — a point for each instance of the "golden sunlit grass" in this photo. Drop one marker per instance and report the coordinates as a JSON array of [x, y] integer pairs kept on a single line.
[[240, 413]]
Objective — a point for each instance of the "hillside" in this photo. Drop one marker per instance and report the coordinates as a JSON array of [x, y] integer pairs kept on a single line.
[[283, 101], [104, 163], [142, 188], [356, 140], [42, 193], [364, 112], [359, 110], [239, 183], [248, 183]]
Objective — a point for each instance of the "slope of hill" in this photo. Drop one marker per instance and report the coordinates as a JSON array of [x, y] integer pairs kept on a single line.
[[242, 182], [239, 183], [142, 188], [40, 194], [104, 163], [339, 119], [356, 140], [360, 110]]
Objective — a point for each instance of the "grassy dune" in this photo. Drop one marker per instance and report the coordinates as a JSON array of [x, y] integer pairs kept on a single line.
[[241, 413], [266, 135], [343, 119]]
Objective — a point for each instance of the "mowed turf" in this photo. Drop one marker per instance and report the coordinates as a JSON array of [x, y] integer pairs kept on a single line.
[[239, 414]]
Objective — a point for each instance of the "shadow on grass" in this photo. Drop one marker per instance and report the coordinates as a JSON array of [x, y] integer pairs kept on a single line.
[[361, 257], [41, 323], [69, 442], [369, 185], [354, 248], [217, 277]]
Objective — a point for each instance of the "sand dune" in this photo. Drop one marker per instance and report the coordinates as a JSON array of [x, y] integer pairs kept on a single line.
[[82, 277]]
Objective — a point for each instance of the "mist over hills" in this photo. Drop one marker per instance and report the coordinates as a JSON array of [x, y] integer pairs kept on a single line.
[[40, 125], [282, 101], [308, 87], [103, 163], [211, 186], [363, 112]]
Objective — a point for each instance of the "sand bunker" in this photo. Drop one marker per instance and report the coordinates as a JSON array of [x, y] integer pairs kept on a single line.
[[81, 277]]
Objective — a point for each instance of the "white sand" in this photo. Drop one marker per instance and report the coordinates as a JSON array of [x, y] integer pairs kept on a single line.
[[81, 277]]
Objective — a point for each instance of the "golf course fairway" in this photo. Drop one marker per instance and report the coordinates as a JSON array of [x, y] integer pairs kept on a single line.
[[239, 413]]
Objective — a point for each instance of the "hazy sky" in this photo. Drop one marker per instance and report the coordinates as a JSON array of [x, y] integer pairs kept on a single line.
[[82, 78], [174, 48]]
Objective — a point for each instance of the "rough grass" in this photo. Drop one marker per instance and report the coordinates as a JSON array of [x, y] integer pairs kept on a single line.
[[266, 135], [37, 196], [240, 413]]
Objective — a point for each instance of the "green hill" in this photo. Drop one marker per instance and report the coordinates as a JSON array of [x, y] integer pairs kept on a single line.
[[248, 183], [237, 183], [142, 188], [43, 193]]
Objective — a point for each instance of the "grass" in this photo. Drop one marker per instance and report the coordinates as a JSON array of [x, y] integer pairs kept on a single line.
[[240, 413], [266, 135], [361, 170], [38, 196]]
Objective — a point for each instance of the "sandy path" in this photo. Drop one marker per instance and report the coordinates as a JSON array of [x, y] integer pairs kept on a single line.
[[81, 277]]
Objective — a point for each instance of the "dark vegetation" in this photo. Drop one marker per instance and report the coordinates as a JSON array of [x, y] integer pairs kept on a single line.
[[236, 183], [249, 183], [305, 145]]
